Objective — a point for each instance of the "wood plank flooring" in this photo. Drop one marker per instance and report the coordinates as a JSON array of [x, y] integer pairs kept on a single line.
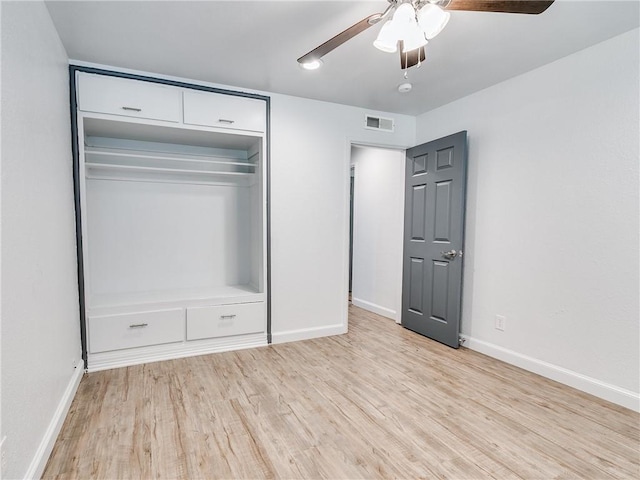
[[379, 402]]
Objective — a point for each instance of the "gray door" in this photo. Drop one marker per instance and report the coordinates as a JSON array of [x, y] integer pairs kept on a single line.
[[433, 238]]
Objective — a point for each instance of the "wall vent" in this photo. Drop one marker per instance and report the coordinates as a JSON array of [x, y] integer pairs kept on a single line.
[[372, 122]]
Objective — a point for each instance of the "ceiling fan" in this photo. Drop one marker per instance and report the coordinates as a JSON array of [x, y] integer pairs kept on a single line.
[[413, 23]]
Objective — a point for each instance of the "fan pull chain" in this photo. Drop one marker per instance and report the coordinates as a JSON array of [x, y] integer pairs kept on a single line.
[[406, 63]]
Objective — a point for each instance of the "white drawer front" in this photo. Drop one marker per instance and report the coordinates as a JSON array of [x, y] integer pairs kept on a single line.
[[115, 332], [132, 98], [226, 111], [225, 320]]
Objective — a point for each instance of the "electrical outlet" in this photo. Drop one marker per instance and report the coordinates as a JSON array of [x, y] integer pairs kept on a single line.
[[500, 322]]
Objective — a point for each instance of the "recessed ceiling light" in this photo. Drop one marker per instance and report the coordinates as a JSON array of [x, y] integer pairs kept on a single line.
[[311, 64]]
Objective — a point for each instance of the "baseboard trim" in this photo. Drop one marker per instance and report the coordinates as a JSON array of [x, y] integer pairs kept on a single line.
[[39, 461], [158, 353], [308, 333], [606, 391], [372, 307]]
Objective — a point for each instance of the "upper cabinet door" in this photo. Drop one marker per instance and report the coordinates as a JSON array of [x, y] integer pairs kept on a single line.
[[225, 111], [131, 98]]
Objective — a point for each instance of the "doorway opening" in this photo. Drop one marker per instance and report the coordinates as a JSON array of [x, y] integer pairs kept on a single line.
[[376, 229]]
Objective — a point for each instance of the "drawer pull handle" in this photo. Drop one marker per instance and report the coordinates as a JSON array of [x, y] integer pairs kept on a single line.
[[132, 109], [139, 325], [224, 120], [225, 317]]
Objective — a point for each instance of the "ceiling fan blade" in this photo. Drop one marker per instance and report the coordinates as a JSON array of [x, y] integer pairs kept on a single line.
[[531, 7], [411, 58], [340, 38]]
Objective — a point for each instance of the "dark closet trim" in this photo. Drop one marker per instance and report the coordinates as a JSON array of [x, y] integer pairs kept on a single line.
[[76, 198]]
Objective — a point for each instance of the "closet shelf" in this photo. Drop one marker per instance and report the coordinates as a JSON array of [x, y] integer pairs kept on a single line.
[[135, 168], [193, 158], [222, 295]]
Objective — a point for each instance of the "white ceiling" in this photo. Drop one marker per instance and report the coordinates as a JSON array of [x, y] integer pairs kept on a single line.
[[255, 44]]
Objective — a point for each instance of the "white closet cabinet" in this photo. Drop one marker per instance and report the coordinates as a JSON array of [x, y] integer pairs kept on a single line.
[[223, 111], [132, 98], [173, 212]]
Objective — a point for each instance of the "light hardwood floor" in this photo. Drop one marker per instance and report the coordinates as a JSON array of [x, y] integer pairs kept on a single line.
[[379, 402]]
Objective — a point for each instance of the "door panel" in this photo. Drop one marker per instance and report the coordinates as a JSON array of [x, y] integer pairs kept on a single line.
[[442, 212], [416, 288], [434, 226], [420, 164], [418, 220], [439, 291], [444, 158]]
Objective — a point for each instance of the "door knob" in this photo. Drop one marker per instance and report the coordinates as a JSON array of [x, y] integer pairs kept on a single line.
[[451, 254]]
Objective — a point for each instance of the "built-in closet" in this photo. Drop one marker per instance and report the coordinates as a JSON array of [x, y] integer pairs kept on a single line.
[[171, 184]]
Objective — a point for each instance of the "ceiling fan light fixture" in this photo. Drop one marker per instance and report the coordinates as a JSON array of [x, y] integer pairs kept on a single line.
[[311, 64], [432, 19], [387, 40]]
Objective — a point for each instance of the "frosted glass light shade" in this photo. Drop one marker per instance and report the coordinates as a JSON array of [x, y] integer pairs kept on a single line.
[[387, 40], [432, 19], [404, 14], [413, 38]]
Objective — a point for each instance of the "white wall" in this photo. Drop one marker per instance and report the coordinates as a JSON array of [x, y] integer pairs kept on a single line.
[[40, 325], [310, 157], [378, 229], [552, 217]]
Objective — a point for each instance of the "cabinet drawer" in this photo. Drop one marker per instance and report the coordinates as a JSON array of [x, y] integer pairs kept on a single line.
[[226, 111], [132, 98], [115, 332], [225, 320]]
